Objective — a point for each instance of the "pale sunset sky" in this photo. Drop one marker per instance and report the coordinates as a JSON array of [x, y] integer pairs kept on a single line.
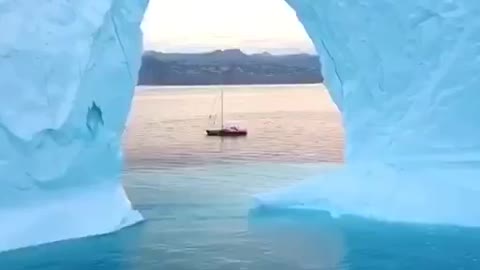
[[204, 25]]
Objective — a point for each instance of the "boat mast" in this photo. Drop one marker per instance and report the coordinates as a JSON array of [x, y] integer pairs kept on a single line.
[[222, 108], [226, 74]]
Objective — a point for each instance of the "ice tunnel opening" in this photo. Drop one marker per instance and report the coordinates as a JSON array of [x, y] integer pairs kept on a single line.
[[403, 74], [74, 70], [199, 32]]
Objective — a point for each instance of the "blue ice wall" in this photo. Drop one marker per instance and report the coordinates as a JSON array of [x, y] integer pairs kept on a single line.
[[67, 75], [405, 76]]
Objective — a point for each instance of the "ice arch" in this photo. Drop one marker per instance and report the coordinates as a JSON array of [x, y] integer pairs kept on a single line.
[[402, 72]]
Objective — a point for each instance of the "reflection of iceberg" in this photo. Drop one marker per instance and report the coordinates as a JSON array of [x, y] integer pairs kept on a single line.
[[68, 70], [300, 238], [405, 76]]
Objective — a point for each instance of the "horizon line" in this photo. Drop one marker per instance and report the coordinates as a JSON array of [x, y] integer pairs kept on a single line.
[[231, 49]]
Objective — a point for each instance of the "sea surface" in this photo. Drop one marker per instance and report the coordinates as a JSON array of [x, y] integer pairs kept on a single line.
[[293, 124], [196, 194]]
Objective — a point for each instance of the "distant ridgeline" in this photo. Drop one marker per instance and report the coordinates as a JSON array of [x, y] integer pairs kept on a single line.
[[228, 67]]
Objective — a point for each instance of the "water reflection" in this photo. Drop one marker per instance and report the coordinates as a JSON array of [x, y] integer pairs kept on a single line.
[[312, 240], [301, 239], [119, 251]]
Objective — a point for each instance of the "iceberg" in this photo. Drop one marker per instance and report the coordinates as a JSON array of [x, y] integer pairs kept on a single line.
[[68, 71], [404, 76]]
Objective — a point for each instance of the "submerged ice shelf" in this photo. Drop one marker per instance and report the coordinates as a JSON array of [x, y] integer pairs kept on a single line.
[[403, 73]]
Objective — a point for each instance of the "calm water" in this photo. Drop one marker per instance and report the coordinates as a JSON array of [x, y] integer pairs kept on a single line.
[[195, 193], [286, 124]]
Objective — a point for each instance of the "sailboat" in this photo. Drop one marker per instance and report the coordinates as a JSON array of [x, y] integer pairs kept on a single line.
[[226, 130]]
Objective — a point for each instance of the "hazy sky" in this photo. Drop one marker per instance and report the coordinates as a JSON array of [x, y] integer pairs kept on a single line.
[[200, 25]]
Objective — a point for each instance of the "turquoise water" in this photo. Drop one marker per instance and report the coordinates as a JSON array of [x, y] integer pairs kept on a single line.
[[196, 195], [200, 218]]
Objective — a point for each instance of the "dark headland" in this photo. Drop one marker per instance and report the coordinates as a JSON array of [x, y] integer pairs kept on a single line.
[[210, 68]]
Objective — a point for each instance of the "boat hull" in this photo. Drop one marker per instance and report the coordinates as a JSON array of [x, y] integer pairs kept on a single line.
[[226, 133]]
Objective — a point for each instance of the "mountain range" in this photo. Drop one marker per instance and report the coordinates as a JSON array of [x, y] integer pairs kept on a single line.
[[228, 67]]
